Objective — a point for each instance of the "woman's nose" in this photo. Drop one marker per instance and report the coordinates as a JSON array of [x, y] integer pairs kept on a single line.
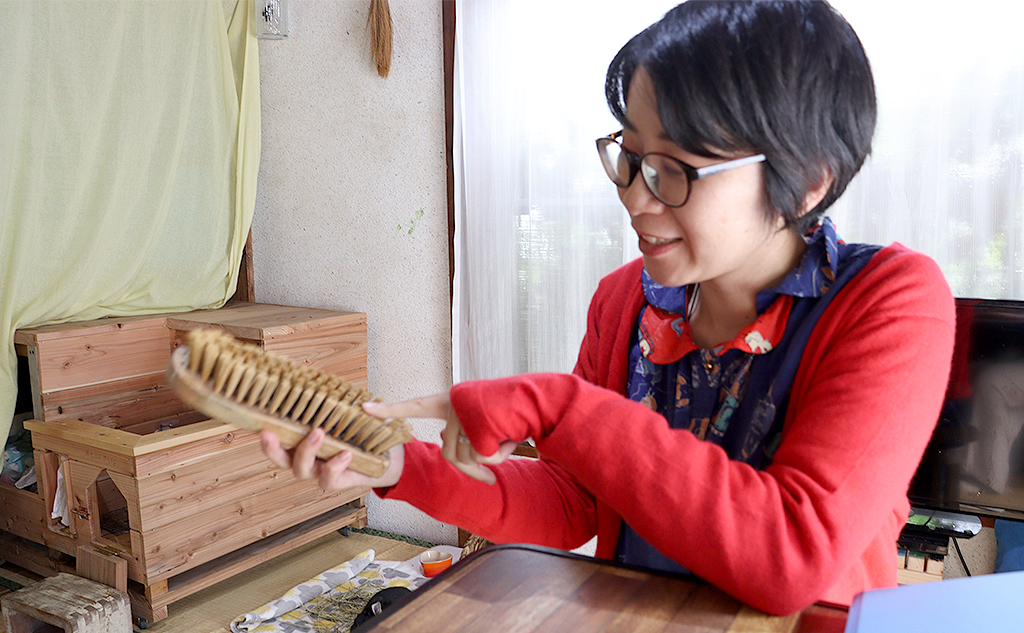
[[638, 199]]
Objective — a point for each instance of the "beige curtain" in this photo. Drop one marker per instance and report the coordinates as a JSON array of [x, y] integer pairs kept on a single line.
[[129, 149]]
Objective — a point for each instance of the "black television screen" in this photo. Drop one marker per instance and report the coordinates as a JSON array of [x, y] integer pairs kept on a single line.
[[974, 463]]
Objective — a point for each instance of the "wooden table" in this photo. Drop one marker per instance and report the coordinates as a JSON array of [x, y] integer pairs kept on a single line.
[[519, 588]]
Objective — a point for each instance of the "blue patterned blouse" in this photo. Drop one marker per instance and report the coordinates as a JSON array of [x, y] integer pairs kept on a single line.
[[733, 395]]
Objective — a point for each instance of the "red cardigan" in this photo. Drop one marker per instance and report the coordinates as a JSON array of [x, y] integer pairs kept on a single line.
[[819, 524]]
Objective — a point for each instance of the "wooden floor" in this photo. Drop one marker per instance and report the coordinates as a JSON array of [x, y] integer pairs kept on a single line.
[[212, 610]]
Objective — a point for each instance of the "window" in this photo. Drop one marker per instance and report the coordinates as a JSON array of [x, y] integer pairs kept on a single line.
[[538, 223]]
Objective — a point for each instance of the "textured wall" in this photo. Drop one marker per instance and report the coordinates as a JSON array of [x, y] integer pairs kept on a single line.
[[351, 210]]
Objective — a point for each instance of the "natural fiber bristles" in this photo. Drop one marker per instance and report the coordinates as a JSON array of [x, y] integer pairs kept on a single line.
[[291, 391], [378, 23]]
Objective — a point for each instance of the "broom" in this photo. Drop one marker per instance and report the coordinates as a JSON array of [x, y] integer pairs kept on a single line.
[[378, 22]]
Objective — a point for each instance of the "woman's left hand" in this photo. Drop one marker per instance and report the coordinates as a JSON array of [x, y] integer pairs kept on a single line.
[[456, 447]]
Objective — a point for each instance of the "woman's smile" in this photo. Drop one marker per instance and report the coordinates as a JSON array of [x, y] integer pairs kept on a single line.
[[652, 246]]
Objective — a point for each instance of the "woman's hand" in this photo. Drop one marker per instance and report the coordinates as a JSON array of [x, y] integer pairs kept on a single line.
[[456, 447], [332, 474]]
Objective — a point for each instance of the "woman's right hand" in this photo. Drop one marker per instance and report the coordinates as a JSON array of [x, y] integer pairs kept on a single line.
[[333, 473]]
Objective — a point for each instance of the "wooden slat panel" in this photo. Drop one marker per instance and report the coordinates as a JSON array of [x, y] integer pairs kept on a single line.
[[47, 464], [332, 341], [255, 321], [128, 486], [58, 537], [32, 336], [24, 512], [219, 481], [134, 549], [116, 403], [33, 377], [263, 550], [102, 567], [83, 434], [74, 449], [97, 357], [33, 557], [148, 427], [208, 535], [215, 440], [245, 288], [82, 502], [338, 349]]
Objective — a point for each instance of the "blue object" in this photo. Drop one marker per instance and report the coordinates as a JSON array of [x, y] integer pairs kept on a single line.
[[991, 602], [1009, 545]]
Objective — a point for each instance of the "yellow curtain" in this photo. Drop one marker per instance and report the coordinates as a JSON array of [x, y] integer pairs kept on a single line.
[[129, 149]]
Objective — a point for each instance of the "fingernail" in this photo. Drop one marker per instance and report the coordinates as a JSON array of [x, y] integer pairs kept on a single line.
[[317, 434]]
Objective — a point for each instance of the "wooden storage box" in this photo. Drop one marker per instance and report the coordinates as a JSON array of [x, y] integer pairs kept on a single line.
[[186, 501]]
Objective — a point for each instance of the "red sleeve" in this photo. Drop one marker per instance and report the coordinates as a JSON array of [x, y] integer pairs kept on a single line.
[[611, 322], [533, 501], [861, 411]]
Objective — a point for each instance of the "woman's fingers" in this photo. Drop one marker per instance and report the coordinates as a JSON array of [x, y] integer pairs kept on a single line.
[[273, 450], [455, 446], [435, 406], [473, 463], [453, 439], [335, 475], [304, 458], [478, 472], [459, 451], [331, 474], [504, 450]]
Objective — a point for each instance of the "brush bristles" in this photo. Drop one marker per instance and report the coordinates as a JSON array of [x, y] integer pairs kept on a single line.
[[292, 392], [378, 22]]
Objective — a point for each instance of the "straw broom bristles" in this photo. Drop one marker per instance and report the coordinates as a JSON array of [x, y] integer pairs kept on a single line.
[[378, 22]]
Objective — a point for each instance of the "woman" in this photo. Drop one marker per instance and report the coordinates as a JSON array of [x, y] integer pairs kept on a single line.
[[752, 396]]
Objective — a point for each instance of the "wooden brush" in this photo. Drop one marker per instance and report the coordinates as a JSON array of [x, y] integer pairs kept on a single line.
[[240, 383]]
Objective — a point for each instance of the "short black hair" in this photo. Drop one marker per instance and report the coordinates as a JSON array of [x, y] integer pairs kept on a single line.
[[786, 78]]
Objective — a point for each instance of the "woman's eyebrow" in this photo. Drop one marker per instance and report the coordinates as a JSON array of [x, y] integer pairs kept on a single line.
[[627, 125]]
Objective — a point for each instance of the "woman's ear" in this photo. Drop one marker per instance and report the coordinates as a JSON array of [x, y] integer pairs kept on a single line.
[[817, 194]]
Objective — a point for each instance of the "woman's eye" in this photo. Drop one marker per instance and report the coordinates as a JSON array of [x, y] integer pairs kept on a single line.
[[671, 168], [667, 167], [628, 151]]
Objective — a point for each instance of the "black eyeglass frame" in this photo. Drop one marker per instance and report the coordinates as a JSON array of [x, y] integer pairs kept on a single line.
[[692, 173]]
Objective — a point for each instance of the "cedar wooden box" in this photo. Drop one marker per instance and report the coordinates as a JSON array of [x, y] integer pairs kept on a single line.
[[185, 500]]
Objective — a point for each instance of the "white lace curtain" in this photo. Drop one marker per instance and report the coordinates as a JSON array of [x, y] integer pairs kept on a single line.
[[538, 223]]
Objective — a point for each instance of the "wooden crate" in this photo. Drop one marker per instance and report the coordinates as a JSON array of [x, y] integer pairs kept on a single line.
[[186, 501]]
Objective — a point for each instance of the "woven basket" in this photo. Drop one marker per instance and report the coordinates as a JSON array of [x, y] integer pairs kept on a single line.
[[473, 544]]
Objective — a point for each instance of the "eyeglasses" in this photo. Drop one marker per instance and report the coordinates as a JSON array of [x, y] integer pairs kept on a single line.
[[668, 179]]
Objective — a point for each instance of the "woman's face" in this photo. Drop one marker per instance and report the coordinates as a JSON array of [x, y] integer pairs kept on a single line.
[[721, 234]]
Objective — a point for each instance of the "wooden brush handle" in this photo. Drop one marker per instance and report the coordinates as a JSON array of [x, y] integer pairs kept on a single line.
[[195, 392]]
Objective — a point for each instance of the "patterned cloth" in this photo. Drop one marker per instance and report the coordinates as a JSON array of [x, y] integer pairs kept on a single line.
[[290, 612], [735, 394]]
